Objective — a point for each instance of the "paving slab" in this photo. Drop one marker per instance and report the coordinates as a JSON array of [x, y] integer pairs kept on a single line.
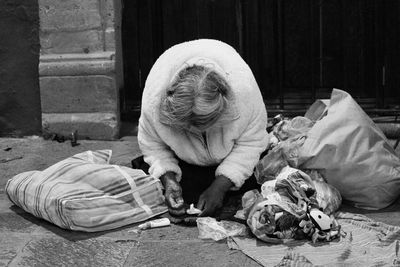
[[10, 246], [38, 154], [5, 203], [187, 253], [46, 251], [18, 222], [171, 233]]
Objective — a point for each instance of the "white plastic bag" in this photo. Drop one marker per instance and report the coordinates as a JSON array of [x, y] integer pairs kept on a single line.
[[210, 228], [351, 153]]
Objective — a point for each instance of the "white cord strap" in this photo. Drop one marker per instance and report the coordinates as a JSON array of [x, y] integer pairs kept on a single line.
[[135, 194]]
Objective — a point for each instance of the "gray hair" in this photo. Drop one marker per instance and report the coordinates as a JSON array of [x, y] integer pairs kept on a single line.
[[196, 98]]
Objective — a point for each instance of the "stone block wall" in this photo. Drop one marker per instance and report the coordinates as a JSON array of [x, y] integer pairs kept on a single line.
[[79, 69]]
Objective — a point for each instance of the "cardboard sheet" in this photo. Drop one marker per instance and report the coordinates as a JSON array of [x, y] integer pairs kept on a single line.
[[367, 243]]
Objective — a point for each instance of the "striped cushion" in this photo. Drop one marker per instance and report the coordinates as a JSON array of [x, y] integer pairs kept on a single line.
[[86, 193]]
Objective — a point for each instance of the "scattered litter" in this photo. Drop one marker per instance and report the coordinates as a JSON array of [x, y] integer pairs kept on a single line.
[[74, 139], [209, 228], [134, 231], [192, 210], [155, 223], [58, 138], [293, 206], [10, 159], [33, 137]]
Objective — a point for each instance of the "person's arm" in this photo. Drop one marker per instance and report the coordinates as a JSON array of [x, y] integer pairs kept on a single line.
[[240, 162], [236, 167], [155, 152], [212, 198], [162, 161], [173, 194]]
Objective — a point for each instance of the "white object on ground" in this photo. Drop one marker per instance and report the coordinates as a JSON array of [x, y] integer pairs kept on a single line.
[[210, 228], [192, 210], [155, 223]]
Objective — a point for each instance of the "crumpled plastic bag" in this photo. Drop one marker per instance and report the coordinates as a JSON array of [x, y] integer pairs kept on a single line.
[[285, 153], [351, 153], [346, 148], [282, 210], [328, 197], [210, 228], [275, 169], [286, 129], [248, 199]]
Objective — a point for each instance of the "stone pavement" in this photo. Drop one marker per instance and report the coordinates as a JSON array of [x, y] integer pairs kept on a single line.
[[28, 241]]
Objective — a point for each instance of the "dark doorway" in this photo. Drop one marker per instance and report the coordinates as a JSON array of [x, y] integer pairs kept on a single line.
[[20, 112], [298, 50]]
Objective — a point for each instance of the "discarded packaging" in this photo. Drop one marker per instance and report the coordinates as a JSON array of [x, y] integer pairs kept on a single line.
[[210, 228], [292, 206], [154, 224], [74, 138], [351, 153], [192, 210]]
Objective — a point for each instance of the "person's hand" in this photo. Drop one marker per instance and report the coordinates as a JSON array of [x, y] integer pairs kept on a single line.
[[173, 194], [212, 198]]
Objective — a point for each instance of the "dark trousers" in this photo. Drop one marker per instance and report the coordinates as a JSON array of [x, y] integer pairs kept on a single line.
[[196, 179]]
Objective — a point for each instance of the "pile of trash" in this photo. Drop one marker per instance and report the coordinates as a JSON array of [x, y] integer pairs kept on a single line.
[[292, 204], [335, 151]]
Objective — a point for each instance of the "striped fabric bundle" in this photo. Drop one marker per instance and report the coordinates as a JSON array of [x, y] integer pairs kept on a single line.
[[84, 192]]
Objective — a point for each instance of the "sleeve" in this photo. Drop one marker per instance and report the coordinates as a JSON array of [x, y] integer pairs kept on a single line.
[[240, 162], [155, 152]]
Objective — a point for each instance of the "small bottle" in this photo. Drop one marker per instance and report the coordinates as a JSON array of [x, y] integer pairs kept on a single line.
[[155, 223]]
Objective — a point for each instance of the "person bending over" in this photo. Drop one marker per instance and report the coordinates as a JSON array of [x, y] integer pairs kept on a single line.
[[202, 115]]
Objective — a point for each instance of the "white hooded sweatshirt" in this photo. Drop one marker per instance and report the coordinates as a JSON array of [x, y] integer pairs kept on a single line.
[[235, 145]]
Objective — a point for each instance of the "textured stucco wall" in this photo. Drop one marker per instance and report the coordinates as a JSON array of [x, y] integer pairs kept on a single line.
[[20, 112]]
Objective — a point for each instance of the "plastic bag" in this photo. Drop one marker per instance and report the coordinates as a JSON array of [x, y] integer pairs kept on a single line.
[[290, 128], [210, 228], [270, 165], [248, 199], [328, 197], [285, 153], [351, 153], [287, 205]]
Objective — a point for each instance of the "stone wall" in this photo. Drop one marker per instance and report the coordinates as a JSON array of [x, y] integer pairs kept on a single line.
[[79, 67]]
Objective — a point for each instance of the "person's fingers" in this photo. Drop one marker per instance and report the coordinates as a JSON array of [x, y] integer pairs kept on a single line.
[[211, 208], [204, 213], [176, 205], [207, 211], [201, 203], [179, 200], [175, 202]]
